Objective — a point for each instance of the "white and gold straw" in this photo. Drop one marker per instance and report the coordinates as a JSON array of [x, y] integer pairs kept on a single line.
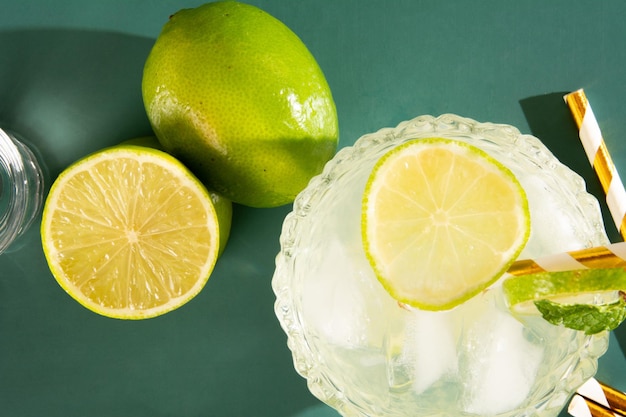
[[581, 406], [600, 397], [609, 256], [592, 399], [595, 399], [595, 148]]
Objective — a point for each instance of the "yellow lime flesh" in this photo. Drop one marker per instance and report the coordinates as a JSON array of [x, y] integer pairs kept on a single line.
[[441, 221], [130, 233]]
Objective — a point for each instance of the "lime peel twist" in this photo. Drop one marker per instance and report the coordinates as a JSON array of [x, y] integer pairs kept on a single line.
[[588, 300]]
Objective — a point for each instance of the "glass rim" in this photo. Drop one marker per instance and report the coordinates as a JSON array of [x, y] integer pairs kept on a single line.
[[301, 344], [20, 198]]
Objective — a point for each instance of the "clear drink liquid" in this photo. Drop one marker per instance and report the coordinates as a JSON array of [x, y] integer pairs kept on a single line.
[[366, 355]]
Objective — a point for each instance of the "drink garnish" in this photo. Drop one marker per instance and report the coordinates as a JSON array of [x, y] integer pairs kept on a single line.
[[441, 221], [589, 300]]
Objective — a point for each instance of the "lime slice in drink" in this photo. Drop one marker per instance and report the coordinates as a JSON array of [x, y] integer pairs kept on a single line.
[[441, 221], [130, 233], [590, 300]]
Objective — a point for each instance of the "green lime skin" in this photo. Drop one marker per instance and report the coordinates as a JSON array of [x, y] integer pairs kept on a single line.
[[238, 98]]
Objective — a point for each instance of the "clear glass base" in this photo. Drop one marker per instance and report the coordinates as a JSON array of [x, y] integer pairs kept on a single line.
[[21, 189]]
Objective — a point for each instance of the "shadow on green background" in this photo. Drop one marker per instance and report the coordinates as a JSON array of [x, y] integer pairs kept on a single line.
[[72, 92], [550, 120]]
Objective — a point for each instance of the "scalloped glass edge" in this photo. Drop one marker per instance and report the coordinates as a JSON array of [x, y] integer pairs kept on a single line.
[[423, 126]]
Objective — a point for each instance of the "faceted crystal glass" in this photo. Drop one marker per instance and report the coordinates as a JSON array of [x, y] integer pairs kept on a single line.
[[365, 354]]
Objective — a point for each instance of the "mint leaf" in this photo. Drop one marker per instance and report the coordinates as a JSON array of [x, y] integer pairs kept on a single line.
[[591, 319]]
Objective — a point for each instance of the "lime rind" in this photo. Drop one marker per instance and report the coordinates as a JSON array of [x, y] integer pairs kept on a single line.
[[140, 153], [588, 300], [239, 98], [467, 292], [564, 287]]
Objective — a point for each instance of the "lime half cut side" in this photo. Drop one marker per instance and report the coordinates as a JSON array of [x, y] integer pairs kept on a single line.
[[441, 221], [130, 233]]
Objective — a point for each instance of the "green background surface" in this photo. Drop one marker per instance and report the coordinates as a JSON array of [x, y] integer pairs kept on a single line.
[[70, 78]]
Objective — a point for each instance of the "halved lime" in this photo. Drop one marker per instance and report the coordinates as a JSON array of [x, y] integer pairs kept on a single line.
[[130, 233], [441, 221]]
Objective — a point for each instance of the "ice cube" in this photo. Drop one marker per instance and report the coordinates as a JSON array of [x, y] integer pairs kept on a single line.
[[499, 366], [429, 347], [331, 303], [343, 300], [553, 233]]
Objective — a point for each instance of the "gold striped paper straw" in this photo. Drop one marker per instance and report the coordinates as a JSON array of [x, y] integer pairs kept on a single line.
[[609, 256], [592, 399], [581, 406], [599, 158], [595, 399], [604, 396]]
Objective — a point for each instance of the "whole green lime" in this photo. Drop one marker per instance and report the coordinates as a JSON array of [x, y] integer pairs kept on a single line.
[[236, 96]]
